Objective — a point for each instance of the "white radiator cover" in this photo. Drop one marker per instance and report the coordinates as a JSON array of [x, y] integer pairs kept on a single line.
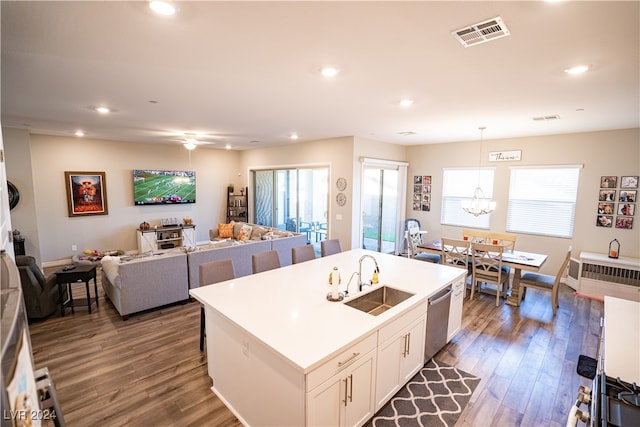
[[573, 273], [600, 275]]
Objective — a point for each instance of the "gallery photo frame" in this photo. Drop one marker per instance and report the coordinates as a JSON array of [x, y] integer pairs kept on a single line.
[[628, 182], [86, 193]]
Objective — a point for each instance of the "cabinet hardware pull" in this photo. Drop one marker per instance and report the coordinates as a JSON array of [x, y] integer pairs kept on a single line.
[[345, 391], [404, 346], [408, 343], [353, 356], [351, 388]]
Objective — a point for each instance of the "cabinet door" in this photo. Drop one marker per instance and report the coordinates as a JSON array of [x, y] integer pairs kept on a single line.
[[324, 404], [189, 236], [455, 310], [413, 357], [360, 389], [147, 241], [388, 372], [346, 399]]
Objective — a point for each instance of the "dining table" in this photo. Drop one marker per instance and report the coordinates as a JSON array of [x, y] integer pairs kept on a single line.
[[518, 260]]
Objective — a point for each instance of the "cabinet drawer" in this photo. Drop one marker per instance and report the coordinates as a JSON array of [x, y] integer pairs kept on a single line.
[[399, 325], [341, 361]]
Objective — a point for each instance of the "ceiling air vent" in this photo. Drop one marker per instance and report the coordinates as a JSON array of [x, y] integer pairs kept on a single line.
[[546, 118], [481, 32]]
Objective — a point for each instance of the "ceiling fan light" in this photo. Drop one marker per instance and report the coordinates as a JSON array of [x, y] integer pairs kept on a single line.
[[189, 145]]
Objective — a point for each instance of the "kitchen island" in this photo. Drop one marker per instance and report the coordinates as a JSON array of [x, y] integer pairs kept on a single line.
[[280, 353]]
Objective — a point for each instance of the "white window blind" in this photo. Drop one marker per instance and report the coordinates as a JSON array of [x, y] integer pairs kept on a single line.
[[458, 185], [542, 200]]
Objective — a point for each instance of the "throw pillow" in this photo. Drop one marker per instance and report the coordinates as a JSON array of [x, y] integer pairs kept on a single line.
[[245, 233], [225, 231], [258, 231]]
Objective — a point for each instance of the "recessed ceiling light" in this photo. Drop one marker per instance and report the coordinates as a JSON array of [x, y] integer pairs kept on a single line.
[[406, 133], [103, 110], [294, 136], [228, 146], [79, 133], [329, 71], [406, 103], [162, 8], [578, 69]]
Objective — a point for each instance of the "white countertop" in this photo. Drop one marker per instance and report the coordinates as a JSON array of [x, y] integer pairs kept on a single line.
[[287, 308], [622, 339]]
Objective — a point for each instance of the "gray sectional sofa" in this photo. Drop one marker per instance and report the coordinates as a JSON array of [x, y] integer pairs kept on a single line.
[[138, 283], [262, 239]]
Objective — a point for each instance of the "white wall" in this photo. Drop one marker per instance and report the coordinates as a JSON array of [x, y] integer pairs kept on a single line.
[[5, 218], [601, 153], [19, 172], [51, 156]]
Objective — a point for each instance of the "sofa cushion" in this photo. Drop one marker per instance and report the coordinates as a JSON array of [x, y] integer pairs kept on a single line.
[[225, 231], [245, 233]]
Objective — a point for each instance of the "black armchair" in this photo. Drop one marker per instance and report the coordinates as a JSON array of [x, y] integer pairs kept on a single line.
[[41, 296]]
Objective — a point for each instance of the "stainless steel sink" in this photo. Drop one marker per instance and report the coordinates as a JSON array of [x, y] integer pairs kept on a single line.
[[379, 300]]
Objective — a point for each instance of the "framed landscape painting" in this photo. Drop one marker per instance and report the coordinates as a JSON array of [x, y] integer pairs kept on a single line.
[[86, 193]]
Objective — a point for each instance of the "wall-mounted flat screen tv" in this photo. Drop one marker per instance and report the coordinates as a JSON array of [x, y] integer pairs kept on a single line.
[[161, 187]]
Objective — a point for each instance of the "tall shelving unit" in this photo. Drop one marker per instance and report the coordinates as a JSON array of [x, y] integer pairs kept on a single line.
[[237, 206]]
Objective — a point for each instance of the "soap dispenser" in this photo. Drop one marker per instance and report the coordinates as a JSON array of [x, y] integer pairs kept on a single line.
[[374, 278]]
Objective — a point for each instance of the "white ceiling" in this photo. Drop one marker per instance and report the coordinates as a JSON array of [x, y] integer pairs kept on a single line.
[[242, 72]]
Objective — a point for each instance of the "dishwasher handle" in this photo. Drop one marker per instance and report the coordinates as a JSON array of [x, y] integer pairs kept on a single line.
[[442, 298]]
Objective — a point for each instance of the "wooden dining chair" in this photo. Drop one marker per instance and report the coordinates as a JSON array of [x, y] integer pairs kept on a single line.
[[508, 240], [213, 272], [474, 235], [487, 268], [455, 252], [414, 238], [330, 247], [265, 261], [302, 253], [544, 282]]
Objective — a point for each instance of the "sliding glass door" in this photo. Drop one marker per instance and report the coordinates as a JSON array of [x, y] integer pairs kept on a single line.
[[380, 208], [293, 199]]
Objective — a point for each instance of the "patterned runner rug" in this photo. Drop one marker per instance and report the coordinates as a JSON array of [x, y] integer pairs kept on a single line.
[[435, 396]]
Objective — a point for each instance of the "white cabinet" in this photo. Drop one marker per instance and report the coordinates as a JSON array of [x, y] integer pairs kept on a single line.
[[455, 309], [166, 238], [400, 353], [346, 397]]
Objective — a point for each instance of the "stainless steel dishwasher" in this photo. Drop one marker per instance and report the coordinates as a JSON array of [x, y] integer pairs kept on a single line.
[[437, 322]]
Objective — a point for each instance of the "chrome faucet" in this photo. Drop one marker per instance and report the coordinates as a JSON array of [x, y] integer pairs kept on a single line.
[[377, 270]]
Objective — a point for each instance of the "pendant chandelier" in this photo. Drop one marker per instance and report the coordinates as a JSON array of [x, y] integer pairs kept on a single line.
[[478, 204]]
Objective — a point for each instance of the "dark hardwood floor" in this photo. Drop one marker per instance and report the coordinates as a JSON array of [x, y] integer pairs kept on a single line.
[[148, 370]]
